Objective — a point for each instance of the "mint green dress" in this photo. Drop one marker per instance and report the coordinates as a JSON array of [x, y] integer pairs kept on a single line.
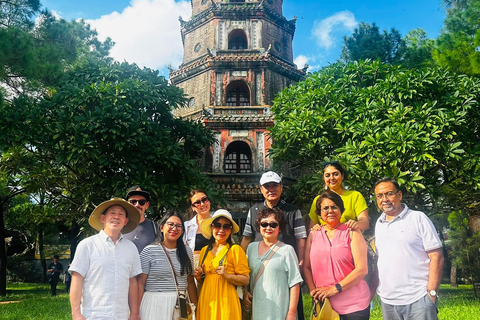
[[271, 295]]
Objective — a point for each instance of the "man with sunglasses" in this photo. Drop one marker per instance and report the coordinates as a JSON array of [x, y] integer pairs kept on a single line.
[[296, 233], [410, 257], [147, 230]]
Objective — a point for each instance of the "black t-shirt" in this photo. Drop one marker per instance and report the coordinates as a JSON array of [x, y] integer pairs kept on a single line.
[[58, 267]]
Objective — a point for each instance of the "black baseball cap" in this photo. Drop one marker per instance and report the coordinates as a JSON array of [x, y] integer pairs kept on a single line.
[[137, 191]]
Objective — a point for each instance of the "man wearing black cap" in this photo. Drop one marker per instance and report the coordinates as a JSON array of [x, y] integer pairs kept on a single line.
[[147, 230]]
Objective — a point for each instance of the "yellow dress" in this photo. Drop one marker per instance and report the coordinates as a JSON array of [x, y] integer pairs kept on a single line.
[[218, 297]]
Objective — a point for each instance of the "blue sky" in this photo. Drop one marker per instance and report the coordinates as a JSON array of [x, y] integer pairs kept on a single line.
[[147, 32]]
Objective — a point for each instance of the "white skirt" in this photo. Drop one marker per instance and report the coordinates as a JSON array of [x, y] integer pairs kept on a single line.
[[158, 305]]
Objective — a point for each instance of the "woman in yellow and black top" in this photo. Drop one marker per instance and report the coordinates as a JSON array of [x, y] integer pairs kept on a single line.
[[355, 215]]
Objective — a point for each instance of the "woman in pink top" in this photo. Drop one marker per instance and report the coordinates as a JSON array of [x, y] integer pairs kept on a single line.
[[336, 262]]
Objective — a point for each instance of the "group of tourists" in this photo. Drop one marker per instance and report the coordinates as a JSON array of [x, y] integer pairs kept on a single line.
[[133, 269]]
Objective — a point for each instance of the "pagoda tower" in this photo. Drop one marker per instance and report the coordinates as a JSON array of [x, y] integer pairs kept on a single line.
[[237, 56]]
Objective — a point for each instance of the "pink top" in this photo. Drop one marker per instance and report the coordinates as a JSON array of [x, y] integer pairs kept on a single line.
[[331, 262]]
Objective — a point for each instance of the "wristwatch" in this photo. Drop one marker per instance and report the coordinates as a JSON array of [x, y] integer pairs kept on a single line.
[[433, 293], [338, 286]]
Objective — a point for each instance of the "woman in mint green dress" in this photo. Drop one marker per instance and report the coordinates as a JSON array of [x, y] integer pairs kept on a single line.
[[276, 292]]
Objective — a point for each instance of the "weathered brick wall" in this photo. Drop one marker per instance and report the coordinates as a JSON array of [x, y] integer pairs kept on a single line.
[[201, 5], [199, 88], [279, 39], [199, 40]]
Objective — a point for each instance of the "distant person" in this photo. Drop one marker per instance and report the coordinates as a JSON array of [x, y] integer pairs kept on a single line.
[[410, 257], [67, 279], [105, 267], [54, 270], [295, 233], [199, 210], [355, 215], [147, 230]]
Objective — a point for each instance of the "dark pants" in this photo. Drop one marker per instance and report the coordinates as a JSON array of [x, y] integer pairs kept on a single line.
[[67, 286], [357, 315], [53, 285], [300, 315]]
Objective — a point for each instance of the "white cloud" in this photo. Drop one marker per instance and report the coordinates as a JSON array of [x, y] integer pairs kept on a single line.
[[322, 30], [301, 60], [147, 32]]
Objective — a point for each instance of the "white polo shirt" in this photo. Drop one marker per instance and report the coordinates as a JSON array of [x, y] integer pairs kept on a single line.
[[403, 262], [106, 268]]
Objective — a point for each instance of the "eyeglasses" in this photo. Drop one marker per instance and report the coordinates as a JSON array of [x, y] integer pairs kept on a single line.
[[198, 203], [172, 225], [140, 202], [272, 225], [328, 208], [218, 225], [388, 195]]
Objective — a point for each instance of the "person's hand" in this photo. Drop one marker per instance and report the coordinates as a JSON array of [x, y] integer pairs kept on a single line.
[[247, 300], [291, 316], [434, 299], [352, 224], [78, 316], [221, 271], [197, 273], [316, 227], [323, 292]]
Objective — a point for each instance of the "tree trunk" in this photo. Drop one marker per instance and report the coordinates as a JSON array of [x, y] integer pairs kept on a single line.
[[453, 276], [3, 251], [74, 238], [41, 250]]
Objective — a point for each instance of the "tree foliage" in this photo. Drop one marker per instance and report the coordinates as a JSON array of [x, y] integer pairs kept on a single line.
[[458, 46], [367, 42], [418, 126]]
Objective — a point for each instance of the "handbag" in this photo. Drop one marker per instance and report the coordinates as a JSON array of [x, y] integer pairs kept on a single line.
[[184, 308], [323, 311], [247, 314]]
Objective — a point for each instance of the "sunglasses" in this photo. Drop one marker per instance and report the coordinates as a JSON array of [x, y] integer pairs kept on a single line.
[[272, 225], [140, 202], [218, 225], [198, 203]]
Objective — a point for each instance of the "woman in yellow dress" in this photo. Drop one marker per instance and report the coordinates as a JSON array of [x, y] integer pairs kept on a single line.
[[223, 266]]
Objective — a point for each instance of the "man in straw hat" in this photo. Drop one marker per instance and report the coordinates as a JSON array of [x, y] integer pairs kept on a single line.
[[105, 266], [147, 230]]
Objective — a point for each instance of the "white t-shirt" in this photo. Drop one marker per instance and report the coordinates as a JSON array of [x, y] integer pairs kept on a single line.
[[403, 262], [106, 268]]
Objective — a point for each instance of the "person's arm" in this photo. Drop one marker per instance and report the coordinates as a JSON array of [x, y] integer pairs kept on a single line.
[[76, 295], [362, 223], [307, 265], [245, 242], [292, 306], [133, 302], [235, 279], [192, 290], [141, 281], [435, 272], [301, 253]]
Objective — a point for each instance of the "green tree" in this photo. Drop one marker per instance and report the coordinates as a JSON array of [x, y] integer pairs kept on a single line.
[[367, 42], [418, 126], [418, 49], [458, 46]]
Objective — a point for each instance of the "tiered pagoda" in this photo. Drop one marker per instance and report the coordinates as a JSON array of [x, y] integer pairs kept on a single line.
[[237, 56]]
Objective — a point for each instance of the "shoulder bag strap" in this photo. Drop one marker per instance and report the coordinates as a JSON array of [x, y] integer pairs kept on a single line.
[[204, 256], [221, 261], [264, 264], [171, 265]]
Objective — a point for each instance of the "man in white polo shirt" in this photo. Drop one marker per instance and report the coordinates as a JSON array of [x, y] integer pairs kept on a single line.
[[104, 269], [410, 257]]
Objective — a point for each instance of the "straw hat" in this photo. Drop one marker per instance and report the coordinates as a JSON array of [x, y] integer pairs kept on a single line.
[[132, 213], [206, 225]]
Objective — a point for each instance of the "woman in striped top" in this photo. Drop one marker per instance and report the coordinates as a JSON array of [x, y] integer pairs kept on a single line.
[[158, 292]]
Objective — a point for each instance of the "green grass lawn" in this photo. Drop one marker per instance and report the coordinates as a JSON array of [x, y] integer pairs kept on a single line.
[[35, 302]]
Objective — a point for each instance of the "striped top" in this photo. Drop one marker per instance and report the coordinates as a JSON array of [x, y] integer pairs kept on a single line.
[[156, 265]]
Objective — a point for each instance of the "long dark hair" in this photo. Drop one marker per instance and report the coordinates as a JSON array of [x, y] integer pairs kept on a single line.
[[185, 262], [211, 241], [190, 196]]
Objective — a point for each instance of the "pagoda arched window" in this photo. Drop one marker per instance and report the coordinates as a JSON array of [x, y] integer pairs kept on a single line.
[[238, 158], [237, 40], [238, 94]]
